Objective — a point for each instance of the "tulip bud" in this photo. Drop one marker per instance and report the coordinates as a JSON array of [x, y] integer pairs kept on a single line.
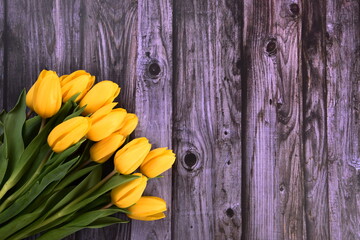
[[148, 208], [30, 97], [157, 161], [128, 125], [44, 97], [100, 95], [68, 133], [129, 193], [77, 82], [101, 151], [106, 121], [129, 158]]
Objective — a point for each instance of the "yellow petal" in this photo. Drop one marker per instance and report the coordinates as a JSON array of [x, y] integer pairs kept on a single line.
[[102, 151]]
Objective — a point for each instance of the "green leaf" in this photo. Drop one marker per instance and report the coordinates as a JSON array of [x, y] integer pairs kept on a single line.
[[29, 155], [76, 113], [31, 129], [3, 162], [2, 116], [13, 125], [58, 158], [23, 201], [77, 224], [74, 176], [106, 221], [78, 190], [110, 184], [25, 219]]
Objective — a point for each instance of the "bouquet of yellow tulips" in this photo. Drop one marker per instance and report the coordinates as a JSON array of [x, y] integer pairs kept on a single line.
[[51, 160]]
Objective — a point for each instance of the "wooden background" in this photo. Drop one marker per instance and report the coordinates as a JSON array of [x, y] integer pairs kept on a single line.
[[260, 100]]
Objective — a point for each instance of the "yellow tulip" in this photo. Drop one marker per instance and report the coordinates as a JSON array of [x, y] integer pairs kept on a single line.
[[30, 93], [148, 208], [68, 133], [44, 97], [129, 193], [100, 95], [77, 82], [157, 161], [29, 97], [101, 151], [106, 121], [128, 125], [129, 158]]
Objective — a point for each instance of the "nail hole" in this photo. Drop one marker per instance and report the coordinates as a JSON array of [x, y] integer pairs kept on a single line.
[[191, 227], [271, 47], [282, 188], [230, 213], [147, 54], [228, 162], [154, 69], [226, 133], [190, 160], [294, 9], [270, 101]]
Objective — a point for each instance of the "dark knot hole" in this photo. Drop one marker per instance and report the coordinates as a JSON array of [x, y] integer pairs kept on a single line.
[[154, 69], [190, 160]]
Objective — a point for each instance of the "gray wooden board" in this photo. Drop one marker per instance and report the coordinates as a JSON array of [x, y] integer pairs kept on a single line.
[[259, 100]]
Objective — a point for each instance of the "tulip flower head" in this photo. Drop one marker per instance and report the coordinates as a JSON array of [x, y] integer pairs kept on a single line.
[[130, 157], [45, 95], [29, 97], [148, 208], [101, 151], [100, 95], [129, 193], [77, 82], [68, 133], [157, 161], [106, 121], [128, 125]]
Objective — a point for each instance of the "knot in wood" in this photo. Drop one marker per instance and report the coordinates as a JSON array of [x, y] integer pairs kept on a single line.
[[271, 47], [230, 212], [190, 161], [294, 9], [154, 70]]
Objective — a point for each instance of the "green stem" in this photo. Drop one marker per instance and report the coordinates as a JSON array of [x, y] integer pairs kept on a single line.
[[27, 184], [62, 212], [29, 114], [84, 164], [43, 122], [107, 206]]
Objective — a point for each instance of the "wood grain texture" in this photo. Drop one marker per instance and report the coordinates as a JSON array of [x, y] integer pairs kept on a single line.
[[259, 99], [273, 127], [315, 144], [40, 35], [207, 119], [343, 96], [109, 52], [153, 101]]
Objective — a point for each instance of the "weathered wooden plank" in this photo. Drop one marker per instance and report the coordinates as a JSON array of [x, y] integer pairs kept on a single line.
[[273, 171], [109, 52], [207, 120], [343, 97], [39, 34], [314, 76], [154, 101]]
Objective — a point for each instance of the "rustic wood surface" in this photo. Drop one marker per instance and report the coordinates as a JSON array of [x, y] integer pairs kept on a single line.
[[259, 99]]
